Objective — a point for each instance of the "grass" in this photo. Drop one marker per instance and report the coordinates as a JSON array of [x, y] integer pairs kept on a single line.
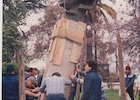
[[113, 95]]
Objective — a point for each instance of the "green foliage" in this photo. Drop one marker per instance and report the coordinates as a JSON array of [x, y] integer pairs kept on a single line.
[[14, 64], [11, 42], [6, 64], [14, 12]]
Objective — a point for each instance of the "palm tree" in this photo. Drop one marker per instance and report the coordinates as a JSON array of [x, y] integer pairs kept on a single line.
[[92, 17]]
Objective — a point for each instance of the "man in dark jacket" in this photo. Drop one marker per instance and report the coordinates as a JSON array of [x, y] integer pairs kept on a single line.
[[92, 82], [129, 82], [10, 84]]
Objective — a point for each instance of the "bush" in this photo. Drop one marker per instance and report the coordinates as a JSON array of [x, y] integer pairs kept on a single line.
[[14, 64]]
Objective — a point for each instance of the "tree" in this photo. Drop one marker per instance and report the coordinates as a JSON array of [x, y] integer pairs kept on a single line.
[[14, 13], [131, 42], [130, 30], [93, 17], [41, 33]]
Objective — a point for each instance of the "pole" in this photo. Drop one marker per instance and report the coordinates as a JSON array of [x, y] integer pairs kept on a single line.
[[21, 76], [116, 63], [95, 46], [121, 69], [77, 97]]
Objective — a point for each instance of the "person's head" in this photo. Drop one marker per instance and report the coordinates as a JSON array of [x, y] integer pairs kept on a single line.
[[10, 69], [35, 70], [30, 71], [90, 65], [127, 69], [56, 73], [28, 84]]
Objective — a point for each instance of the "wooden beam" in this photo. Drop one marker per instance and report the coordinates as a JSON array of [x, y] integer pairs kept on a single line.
[[58, 52], [75, 54]]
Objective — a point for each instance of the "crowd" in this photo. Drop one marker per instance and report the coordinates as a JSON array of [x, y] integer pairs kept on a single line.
[[54, 86]]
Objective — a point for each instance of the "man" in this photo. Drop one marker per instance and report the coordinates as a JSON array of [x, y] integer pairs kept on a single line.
[[29, 72], [129, 82], [33, 77], [28, 91], [92, 81], [10, 84], [33, 80], [55, 87]]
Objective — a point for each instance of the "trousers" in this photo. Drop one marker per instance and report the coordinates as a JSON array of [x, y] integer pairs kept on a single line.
[[56, 97]]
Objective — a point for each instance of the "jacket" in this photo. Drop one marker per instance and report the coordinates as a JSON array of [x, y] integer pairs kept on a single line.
[[129, 81], [10, 87], [92, 86]]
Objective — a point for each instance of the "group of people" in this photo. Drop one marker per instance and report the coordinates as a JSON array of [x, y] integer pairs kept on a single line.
[[32, 81], [10, 84], [54, 86]]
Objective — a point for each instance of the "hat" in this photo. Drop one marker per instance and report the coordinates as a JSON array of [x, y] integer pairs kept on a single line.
[[127, 67], [10, 69]]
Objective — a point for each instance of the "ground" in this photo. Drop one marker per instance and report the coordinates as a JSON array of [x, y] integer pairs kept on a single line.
[[113, 94]]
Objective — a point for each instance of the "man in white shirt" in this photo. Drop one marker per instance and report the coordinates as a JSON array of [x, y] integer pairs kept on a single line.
[[55, 87]]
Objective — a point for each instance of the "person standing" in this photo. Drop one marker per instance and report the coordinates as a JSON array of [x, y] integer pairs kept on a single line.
[[33, 78], [55, 87], [10, 84], [29, 72], [92, 81], [129, 82]]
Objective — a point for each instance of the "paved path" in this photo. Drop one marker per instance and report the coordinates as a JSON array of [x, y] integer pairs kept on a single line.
[[115, 85]]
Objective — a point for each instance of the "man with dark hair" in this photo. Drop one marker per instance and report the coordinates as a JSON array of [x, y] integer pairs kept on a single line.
[[129, 82], [10, 84], [92, 81], [55, 87], [29, 73], [34, 77]]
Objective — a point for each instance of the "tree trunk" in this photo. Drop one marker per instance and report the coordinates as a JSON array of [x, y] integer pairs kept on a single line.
[[21, 76], [121, 69]]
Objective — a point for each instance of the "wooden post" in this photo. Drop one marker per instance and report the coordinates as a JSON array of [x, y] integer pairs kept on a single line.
[[77, 97], [121, 69], [21, 76]]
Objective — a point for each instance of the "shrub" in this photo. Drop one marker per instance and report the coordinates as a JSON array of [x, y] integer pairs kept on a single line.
[[14, 64]]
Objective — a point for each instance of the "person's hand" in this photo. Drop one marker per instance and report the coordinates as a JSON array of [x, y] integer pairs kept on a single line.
[[35, 90], [38, 94], [78, 70], [71, 76]]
